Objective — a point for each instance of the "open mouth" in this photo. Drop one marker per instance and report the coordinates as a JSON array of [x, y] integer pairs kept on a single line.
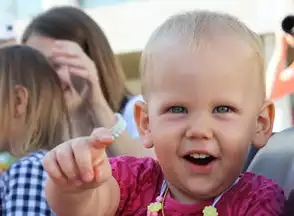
[[200, 159]]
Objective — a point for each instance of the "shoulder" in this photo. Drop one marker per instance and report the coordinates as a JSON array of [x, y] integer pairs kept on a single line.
[[261, 195], [139, 180], [26, 168], [23, 187], [258, 183], [133, 169]]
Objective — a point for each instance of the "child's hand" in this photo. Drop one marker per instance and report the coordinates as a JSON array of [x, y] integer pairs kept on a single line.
[[80, 162]]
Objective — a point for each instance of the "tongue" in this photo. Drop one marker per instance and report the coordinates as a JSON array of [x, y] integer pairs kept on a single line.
[[200, 161]]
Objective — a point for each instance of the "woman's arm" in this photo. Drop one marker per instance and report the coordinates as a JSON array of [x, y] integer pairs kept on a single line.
[[124, 145], [277, 63]]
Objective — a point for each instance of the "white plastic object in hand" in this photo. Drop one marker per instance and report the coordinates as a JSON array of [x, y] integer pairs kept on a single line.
[[119, 127]]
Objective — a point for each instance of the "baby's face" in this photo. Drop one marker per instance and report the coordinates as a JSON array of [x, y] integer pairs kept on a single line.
[[204, 111]]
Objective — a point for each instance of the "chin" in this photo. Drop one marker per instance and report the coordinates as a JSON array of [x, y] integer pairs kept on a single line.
[[200, 190]]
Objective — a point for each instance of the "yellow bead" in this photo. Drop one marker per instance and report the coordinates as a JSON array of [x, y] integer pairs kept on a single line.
[[155, 207], [210, 211]]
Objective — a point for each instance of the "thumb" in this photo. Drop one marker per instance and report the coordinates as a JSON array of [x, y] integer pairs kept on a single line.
[[101, 138]]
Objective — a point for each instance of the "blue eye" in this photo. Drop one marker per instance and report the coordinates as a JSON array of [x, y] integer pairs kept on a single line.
[[177, 109], [222, 109]]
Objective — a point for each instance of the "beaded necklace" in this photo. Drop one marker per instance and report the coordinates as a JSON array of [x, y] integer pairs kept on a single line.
[[154, 208]]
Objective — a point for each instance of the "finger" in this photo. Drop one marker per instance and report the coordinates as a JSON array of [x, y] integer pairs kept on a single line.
[[69, 61], [64, 52], [66, 162], [66, 47], [102, 172], [98, 150], [52, 168], [85, 74], [83, 158], [85, 92], [65, 43], [63, 74], [81, 72], [101, 138]]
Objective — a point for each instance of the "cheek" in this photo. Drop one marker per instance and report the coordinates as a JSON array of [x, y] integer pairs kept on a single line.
[[166, 136], [241, 128], [236, 139], [78, 83], [167, 124]]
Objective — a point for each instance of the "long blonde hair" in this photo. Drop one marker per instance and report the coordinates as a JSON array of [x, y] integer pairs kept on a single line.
[[46, 112]]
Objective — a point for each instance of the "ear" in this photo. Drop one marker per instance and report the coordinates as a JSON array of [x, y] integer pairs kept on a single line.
[[21, 98], [264, 124], [142, 121]]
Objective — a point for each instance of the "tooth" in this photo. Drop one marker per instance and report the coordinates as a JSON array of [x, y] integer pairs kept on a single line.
[[201, 156]]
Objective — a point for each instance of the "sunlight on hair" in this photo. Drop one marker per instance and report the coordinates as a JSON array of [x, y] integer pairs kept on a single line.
[[46, 114], [197, 28]]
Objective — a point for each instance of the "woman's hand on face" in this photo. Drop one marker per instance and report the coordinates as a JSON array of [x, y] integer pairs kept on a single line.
[[72, 61]]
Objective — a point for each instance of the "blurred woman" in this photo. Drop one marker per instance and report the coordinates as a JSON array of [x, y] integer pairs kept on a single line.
[[93, 81]]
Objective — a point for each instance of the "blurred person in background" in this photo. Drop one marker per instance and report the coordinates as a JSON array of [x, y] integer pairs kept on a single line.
[[93, 80], [7, 36], [280, 77], [32, 118]]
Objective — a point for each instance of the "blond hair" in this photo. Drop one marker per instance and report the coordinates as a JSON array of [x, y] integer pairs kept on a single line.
[[46, 112], [194, 28]]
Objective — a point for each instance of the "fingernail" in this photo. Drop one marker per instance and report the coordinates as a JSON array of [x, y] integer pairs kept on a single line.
[[106, 137]]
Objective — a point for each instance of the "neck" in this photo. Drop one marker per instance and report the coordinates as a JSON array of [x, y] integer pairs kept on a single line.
[[185, 197], [5, 147], [18, 137], [182, 197], [13, 146]]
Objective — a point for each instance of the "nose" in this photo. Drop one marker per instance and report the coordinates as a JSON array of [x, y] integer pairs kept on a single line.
[[199, 127]]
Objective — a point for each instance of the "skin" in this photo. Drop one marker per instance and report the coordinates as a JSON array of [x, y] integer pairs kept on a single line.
[[69, 59], [191, 104], [16, 133], [219, 115]]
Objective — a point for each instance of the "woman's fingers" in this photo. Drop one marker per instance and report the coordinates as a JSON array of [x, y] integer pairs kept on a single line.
[[68, 61]]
